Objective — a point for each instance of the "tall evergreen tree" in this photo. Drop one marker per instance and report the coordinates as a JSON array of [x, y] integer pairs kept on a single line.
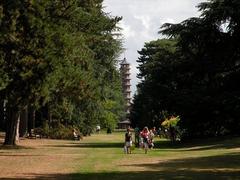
[[57, 53], [198, 80]]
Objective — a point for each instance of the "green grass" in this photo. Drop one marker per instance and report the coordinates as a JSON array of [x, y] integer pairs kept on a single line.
[[101, 156], [214, 159]]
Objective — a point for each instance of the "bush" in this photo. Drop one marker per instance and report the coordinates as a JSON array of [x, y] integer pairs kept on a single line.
[[171, 124], [59, 132]]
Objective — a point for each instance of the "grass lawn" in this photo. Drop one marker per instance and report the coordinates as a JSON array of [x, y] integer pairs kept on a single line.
[[101, 156]]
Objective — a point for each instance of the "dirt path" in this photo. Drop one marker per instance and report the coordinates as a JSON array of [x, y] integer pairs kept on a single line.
[[37, 158]]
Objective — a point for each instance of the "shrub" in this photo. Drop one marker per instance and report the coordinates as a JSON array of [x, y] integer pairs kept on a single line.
[[59, 132], [172, 121], [171, 124]]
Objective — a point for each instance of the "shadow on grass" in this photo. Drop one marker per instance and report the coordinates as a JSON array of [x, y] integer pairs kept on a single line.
[[203, 144], [18, 155], [227, 162], [136, 175], [91, 145], [216, 167], [164, 144], [14, 147]]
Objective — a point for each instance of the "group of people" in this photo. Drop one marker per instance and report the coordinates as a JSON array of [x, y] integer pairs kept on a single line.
[[143, 139]]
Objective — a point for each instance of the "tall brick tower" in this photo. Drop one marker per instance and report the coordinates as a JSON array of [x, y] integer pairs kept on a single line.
[[125, 74]]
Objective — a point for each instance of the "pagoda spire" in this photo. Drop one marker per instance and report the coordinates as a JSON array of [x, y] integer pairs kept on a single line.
[[126, 85]]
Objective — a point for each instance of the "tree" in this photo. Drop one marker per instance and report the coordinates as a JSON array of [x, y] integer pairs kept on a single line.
[[22, 42], [198, 79], [209, 44], [57, 53], [157, 63], [91, 68]]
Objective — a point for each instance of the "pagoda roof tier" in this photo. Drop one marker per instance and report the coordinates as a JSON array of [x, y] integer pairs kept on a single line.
[[128, 91], [124, 68], [126, 78], [124, 61], [125, 75], [125, 72]]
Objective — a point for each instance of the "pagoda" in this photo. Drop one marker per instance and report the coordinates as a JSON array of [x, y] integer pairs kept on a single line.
[[125, 75]]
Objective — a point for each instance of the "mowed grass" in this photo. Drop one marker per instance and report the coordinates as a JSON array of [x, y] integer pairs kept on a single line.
[[101, 157]]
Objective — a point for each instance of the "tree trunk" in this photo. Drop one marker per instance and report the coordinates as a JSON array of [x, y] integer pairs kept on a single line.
[[12, 120], [2, 123], [23, 122], [17, 128], [31, 119], [49, 116]]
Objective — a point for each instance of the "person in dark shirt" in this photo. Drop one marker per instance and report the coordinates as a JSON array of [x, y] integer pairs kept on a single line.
[[137, 138], [128, 141]]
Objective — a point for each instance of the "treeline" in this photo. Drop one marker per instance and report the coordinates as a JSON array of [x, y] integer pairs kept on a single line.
[[193, 72], [58, 66]]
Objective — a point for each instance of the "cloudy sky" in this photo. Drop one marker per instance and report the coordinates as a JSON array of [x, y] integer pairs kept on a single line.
[[142, 20]]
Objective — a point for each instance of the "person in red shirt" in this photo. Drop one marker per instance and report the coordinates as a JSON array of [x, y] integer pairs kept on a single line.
[[145, 136]]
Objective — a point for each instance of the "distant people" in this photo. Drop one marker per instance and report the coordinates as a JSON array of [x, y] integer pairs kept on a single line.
[[137, 138], [154, 131], [145, 138], [128, 141], [76, 136], [159, 131], [166, 133], [172, 133], [150, 139], [98, 128], [109, 130]]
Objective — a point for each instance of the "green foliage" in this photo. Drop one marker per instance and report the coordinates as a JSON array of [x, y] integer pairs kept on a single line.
[[194, 74], [58, 132], [172, 121], [153, 94], [61, 54]]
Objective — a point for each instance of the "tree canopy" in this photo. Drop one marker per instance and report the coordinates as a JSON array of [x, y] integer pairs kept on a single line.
[[194, 74], [60, 54]]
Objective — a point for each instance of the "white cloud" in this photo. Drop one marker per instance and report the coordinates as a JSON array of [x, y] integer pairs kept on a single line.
[[127, 30], [142, 20], [168, 20]]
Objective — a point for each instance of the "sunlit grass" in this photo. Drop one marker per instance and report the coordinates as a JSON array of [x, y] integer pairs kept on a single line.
[[101, 156]]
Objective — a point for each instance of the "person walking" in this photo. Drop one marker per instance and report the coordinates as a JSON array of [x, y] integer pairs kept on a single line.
[[150, 140], [137, 134], [145, 136], [128, 141]]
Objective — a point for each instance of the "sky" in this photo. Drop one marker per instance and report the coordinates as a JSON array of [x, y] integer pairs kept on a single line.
[[142, 20]]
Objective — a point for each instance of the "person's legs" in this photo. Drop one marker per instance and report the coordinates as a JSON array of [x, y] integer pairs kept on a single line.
[[145, 147], [129, 150], [128, 147]]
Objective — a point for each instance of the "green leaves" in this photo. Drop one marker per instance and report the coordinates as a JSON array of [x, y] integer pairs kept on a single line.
[[195, 75], [60, 53]]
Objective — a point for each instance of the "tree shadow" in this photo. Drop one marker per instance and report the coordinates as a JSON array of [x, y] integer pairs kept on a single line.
[[138, 175], [225, 166], [163, 144], [200, 144], [91, 145], [18, 155], [14, 147]]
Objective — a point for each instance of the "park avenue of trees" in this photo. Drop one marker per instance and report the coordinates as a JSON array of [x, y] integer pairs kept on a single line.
[[58, 66], [58, 70], [194, 73]]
